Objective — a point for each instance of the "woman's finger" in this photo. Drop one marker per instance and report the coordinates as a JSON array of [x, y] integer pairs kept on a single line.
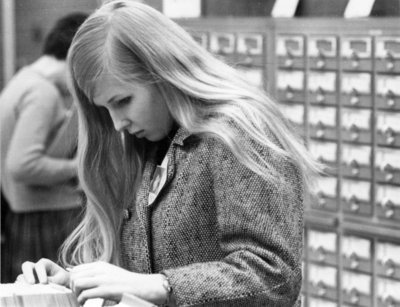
[[80, 276], [41, 272], [20, 279], [81, 284], [28, 270]]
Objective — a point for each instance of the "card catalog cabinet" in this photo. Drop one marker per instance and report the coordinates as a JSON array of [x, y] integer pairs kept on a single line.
[[338, 81]]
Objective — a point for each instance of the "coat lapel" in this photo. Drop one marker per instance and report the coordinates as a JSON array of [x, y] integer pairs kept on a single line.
[[143, 211], [142, 205]]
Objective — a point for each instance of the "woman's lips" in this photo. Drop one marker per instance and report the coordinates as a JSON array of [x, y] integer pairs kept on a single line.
[[139, 134]]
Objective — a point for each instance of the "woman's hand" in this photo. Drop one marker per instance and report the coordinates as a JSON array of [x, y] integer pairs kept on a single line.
[[104, 280], [43, 271]]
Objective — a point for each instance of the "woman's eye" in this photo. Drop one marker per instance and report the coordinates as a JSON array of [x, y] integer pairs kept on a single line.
[[123, 101]]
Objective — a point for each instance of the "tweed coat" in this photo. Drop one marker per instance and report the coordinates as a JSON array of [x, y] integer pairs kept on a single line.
[[222, 235]]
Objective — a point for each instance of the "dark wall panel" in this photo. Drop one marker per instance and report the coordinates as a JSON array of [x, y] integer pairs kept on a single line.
[[386, 8], [321, 8], [237, 7], [1, 50]]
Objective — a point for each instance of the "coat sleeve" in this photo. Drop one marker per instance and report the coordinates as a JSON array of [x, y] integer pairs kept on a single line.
[[26, 159], [260, 231]]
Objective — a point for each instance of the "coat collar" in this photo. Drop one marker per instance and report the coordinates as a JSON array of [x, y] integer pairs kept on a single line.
[[181, 136]]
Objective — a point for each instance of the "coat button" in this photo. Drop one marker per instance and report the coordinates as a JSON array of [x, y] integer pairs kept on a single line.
[[126, 214]]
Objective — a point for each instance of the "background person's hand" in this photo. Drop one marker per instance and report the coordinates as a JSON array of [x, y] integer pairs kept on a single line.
[[44, 271], [107, 281]]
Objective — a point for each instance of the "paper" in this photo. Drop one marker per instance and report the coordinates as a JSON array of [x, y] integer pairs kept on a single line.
[[388, 251], [327, 240], [359, 118], [358, 189], [388, 288], [290, 44], [322, 46], [325, 115], [386, 84], [386, 156], [325, 150], [387, 45], [361, 46], [38, 295], [323, 273], [385, 193], [250, 44], [360, 82], [292, 79], [222, 43], [327, 185], [322, 80], [361, 154], [284, 8], [358, 8], [94, 302], [386, 120], [182, 8], [130, 301], [360, 247], [358, 281]]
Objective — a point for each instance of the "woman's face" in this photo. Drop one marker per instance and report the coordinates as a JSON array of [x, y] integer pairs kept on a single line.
[[136, 108]]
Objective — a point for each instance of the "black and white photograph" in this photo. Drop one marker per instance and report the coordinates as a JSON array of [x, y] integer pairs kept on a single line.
[[200, 153]]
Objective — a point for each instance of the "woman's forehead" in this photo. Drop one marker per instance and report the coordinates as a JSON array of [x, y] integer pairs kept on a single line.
[[92, 84], [107, 80], [108, 85]]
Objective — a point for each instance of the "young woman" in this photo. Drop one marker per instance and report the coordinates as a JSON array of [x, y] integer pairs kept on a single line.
[[194, 180]]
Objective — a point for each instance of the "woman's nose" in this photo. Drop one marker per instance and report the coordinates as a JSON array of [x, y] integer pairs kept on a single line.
[[121, 125], [119, 120]]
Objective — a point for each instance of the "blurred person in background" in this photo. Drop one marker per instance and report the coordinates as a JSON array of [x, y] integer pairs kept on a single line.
[[38, 149]]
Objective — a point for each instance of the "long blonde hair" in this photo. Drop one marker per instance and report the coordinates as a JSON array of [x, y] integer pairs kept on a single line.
[[134, 42]]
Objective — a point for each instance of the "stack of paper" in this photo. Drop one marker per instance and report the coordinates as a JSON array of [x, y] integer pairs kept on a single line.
[[38, 295], [52, 295]]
